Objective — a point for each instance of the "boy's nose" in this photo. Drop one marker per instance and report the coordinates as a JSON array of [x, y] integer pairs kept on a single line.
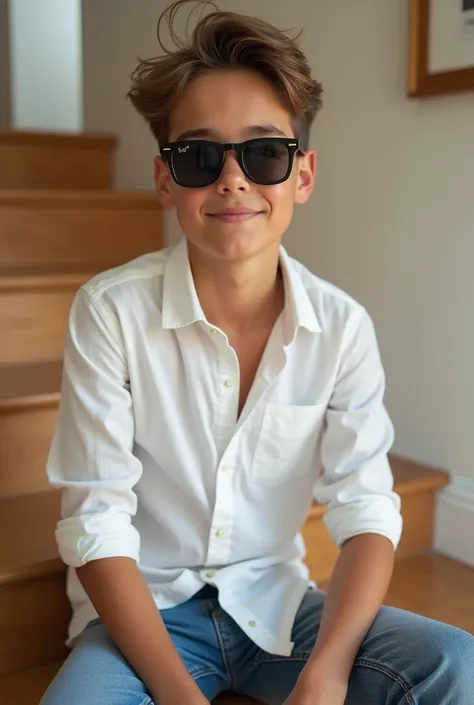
[[232, 178]]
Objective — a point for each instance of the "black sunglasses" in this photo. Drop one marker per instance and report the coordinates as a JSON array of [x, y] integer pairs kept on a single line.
[[198, 163]]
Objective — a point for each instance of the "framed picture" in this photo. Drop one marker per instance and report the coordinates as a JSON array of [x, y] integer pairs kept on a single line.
[[441, 47]]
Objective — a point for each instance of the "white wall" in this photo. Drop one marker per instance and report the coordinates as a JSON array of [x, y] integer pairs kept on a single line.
[[392, 219], [112, 43], [46, 64]]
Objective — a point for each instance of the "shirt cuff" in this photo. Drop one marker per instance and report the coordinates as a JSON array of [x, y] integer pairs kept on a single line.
[[366, 517], [89, 538]]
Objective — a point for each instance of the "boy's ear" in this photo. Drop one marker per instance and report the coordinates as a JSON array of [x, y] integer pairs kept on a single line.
[[307, 166], [163, 182]]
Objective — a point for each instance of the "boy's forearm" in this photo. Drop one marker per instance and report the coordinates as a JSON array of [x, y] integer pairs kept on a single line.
[[356, 591], [125, 605]]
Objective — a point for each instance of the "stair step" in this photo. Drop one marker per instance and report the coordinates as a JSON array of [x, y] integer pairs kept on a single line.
[[56, 160], [34, 309], [59, 229], [29, 397], [27, 687], [41, 278], [33, 385], [34, 610], [434, 586], [417, 485], [28, 523]]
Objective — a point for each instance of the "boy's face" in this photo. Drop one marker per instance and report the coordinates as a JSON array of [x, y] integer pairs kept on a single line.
[[233, 106]]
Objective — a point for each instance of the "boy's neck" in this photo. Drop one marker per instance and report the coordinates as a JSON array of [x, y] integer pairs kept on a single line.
[[242, 296]]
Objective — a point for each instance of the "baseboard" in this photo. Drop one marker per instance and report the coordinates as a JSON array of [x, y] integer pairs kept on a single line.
[[454, 527]]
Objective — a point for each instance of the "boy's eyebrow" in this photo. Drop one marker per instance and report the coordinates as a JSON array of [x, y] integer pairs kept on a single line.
[[252, 130], [264, 130]]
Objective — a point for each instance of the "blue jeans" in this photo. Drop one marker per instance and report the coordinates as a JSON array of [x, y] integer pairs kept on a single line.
[[404, 660]]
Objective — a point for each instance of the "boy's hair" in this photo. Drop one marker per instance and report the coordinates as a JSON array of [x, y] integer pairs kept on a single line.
[[224, 40]]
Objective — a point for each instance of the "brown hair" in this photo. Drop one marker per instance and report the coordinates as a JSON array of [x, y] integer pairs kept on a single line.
[[223, 40]]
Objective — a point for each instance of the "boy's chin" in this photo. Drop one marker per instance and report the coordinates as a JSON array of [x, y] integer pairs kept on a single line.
[[235, 246]]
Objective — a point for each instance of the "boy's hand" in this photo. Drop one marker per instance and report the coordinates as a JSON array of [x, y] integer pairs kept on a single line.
[[328, 691]]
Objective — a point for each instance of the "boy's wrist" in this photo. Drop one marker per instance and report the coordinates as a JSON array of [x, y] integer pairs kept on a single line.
[[320, 689], [322, 667], [177, 692]]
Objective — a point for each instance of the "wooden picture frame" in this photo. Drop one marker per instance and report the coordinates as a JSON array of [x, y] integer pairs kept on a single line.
[[420, 81]]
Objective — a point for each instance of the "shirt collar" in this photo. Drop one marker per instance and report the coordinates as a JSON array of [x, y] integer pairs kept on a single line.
[[180, 301], [181, 305], [299, 311]]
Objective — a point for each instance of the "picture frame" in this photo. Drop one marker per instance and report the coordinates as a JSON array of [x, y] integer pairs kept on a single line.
[[428, 24]]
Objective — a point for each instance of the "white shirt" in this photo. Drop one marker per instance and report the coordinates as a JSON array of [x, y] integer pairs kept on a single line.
[[155, 465]]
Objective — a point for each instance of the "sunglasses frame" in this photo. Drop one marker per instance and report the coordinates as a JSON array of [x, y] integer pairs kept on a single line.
[[293, 146]]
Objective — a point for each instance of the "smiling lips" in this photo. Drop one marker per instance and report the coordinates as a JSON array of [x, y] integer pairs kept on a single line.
[[234, 215]]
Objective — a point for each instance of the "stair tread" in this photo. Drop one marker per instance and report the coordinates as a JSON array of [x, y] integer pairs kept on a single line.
[[20, 384], [59, 139], [411, 477], [15, 279], [27, 687], [75, 198], [33, 549]]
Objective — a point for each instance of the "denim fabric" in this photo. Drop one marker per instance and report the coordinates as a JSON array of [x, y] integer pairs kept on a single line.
[[404, 660]]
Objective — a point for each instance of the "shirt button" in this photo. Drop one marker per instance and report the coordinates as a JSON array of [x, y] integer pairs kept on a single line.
[[219, 533], [213, 331], [210, 574], [252, 623], [224, 468], [229, 383]]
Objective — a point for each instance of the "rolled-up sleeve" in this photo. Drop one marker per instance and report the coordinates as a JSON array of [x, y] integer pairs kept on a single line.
[[91, 456], [357, 482]]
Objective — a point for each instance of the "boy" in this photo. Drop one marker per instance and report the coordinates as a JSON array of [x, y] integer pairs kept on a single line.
[[210, 392]]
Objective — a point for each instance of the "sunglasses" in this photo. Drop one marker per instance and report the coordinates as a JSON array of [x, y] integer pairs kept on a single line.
[[198, 163]]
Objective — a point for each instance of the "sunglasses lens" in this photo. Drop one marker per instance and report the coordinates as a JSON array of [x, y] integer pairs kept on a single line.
[[196, 165], [266, 161]]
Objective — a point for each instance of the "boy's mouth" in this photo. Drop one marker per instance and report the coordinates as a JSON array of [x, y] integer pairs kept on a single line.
[[235, 215]]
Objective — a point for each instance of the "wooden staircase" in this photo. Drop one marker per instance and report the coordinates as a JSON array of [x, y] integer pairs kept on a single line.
[[61, 222]]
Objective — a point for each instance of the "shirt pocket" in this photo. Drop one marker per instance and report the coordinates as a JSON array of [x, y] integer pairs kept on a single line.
[[287, 443]]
